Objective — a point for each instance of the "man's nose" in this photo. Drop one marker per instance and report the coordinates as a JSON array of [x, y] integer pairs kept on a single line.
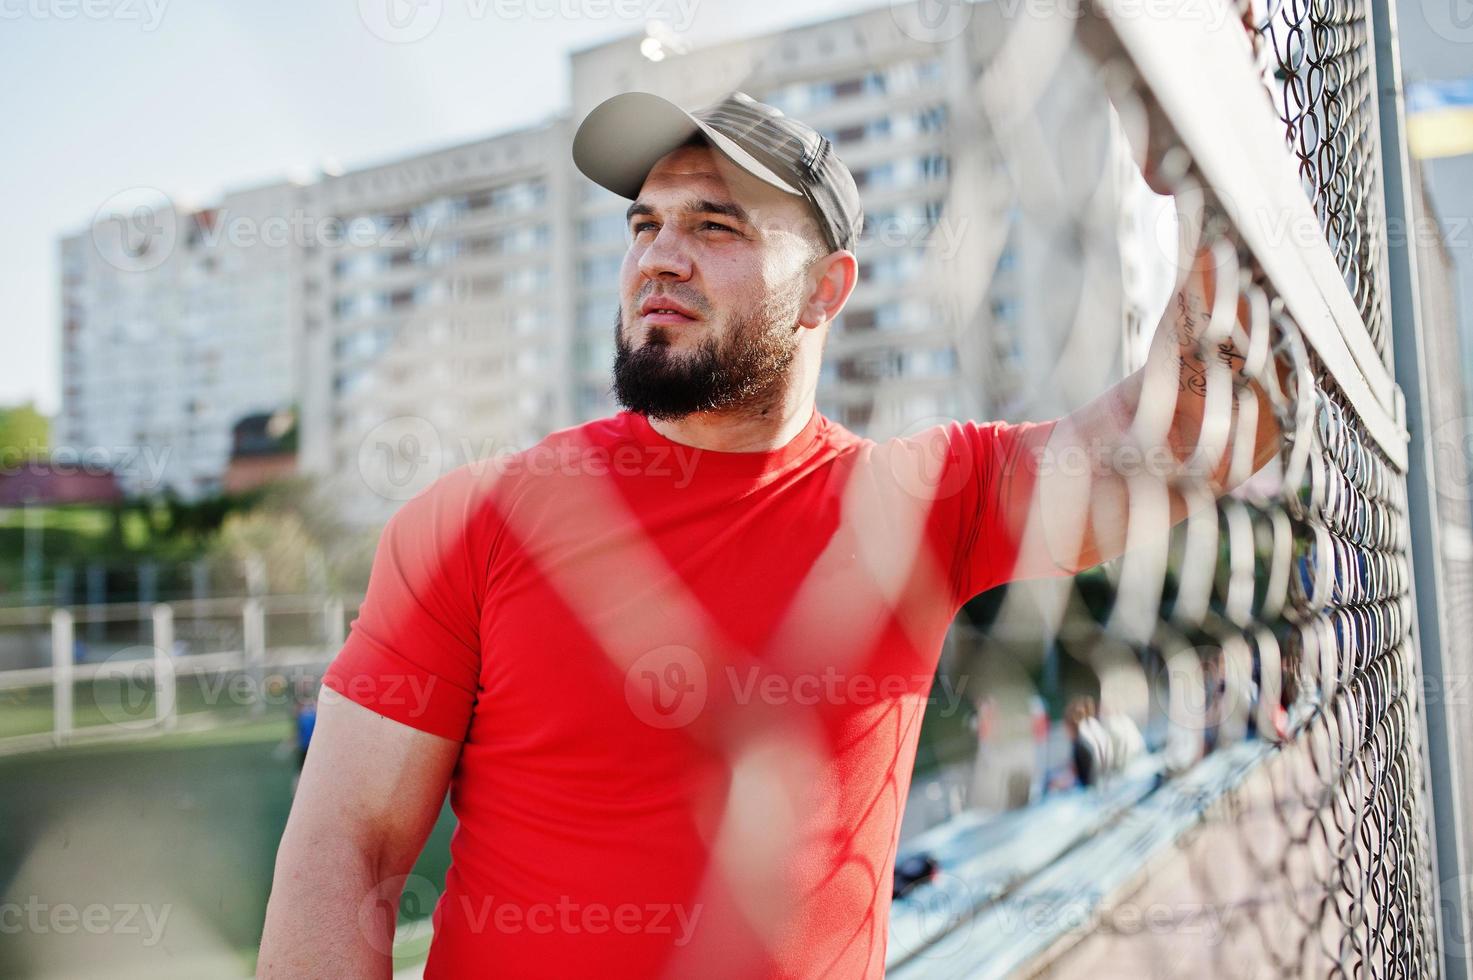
[[666, 257]]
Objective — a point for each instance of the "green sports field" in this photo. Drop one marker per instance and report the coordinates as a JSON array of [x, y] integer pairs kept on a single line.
[[149, 858], [113, 702]]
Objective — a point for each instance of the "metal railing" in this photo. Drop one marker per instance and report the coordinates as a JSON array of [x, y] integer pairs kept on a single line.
[[227, 656]]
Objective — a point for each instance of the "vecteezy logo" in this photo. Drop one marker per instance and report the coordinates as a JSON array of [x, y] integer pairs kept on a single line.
[[135, 230], [666, 688], [1451, 20], [400, 457], [124, 687], [400, 21], [931, 21], [1452, 458], [920, 459], [413, 895]]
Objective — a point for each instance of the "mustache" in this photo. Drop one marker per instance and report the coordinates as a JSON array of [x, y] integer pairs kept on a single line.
[[690, 298]]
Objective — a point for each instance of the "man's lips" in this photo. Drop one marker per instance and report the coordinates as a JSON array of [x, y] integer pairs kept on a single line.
[[655, 316], [665, 309]]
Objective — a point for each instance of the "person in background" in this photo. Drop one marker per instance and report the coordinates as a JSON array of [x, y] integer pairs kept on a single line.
[[1126, 742], [1089, 742], [304, 720]]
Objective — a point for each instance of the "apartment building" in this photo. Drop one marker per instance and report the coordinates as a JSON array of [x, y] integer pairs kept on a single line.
[[175, 324], [439, 334]]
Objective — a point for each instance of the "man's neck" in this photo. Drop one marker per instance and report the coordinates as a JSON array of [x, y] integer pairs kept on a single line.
[[742, 430]]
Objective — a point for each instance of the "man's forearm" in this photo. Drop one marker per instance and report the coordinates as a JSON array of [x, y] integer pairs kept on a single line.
[[331, 913]]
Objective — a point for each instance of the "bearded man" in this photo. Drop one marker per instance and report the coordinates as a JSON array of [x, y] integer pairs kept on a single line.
[[673, 681]]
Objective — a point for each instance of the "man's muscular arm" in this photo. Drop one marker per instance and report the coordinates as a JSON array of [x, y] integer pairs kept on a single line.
[[370, 792]]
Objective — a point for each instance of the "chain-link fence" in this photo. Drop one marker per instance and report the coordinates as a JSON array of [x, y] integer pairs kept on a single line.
[[1266, 645], [1324, 74]]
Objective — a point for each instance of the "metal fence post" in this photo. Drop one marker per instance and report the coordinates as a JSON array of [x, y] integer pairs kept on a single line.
[[332, 624], [165, 683], [253, 633], [96, 596], [62, 645], [1437, 647]]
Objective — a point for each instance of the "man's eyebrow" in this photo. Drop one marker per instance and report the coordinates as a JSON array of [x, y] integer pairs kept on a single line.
[[696, 206]]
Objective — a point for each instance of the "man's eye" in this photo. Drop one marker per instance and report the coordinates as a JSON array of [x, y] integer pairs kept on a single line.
[[640, 226], [717, 225]]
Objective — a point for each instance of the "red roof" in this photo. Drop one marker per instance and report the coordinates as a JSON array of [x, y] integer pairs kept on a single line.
[[39, 482]]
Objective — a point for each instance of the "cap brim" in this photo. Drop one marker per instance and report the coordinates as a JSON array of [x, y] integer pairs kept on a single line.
[[622, 139]]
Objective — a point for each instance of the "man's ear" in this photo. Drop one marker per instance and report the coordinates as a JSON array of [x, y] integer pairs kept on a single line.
[[831, 280]]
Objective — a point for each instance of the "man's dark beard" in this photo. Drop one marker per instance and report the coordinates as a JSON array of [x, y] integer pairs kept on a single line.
[[746, 372]]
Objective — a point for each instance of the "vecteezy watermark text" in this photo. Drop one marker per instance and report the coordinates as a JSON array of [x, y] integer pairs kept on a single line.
[[417, 897], [570, 918], [146, 463], [98, 919], [408, 21], [401, 456], [147, 13], [669, 686], [138, 229]]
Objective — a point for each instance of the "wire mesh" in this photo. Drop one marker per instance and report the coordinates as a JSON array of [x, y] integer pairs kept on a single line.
[[1326, 98]]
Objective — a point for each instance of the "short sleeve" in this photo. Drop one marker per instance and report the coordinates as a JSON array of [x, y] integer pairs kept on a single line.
[[413, 653], [994, 472]]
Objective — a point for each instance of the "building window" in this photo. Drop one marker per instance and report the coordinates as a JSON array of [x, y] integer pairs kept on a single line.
[[915, 74], [527, 239], [603, 230], [594, 354], [521, 196], [526, 279], [601, 272], [596, 315], [880, 176], [932, 119], [526, 322], [876, 222], [891, 267], [356, 266], [933, 166], [856, 416], [938, 363]]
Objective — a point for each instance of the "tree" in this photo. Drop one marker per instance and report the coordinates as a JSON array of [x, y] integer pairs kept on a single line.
[[24, 434]]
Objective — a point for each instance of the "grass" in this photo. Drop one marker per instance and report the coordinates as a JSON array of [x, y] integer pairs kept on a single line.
[[116, 702], [188, 820]]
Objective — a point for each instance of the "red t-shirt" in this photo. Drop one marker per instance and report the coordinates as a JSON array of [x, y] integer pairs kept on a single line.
[[688, 685]]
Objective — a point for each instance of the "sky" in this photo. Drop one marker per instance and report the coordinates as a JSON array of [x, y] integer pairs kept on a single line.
[[193, 98]]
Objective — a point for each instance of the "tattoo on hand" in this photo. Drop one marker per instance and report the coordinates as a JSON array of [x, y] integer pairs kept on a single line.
[[1191, 314]]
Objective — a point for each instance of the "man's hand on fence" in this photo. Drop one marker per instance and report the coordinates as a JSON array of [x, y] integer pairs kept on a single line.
[[1191, 424]]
